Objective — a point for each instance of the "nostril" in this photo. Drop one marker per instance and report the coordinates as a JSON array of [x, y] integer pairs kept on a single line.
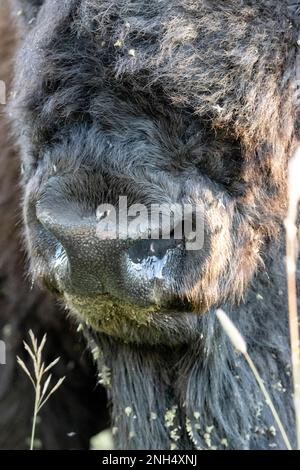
[[144, 249], [149, 266]]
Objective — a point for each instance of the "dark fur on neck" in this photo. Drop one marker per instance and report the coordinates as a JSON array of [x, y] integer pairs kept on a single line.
[[203, 395]]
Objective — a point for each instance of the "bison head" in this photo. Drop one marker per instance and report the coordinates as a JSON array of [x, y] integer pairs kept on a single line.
[[188, 102]]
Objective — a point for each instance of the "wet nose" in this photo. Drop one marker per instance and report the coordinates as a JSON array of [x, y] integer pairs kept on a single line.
[[91, 258], [81, 260]]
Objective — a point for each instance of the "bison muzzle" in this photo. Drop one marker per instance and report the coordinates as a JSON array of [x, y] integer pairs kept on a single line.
[[186, 102]]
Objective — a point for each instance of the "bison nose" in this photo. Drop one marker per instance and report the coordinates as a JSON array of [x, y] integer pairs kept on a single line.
[[76, 258], [87, 262]]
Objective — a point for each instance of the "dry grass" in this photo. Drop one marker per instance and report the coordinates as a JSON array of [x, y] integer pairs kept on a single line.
[[40, 378], [291, 266], [240, 344]]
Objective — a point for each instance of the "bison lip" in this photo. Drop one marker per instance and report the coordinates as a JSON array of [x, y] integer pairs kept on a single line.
[[107, 314]]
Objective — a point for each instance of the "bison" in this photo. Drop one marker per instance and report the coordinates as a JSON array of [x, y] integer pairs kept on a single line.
[[161, 102]]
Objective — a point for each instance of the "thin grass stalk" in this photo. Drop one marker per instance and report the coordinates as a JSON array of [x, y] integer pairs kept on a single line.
[[294, 327], [268, 400], [291, 267], [35, 413], [239, 343]]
